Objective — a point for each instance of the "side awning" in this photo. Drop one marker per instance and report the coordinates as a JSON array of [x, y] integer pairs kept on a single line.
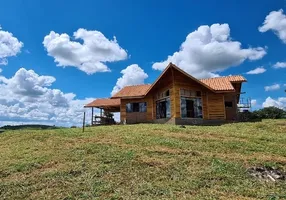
[[111, 105]]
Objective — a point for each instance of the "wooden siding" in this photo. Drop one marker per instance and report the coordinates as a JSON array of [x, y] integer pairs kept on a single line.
[[231, 113], [216, 109]]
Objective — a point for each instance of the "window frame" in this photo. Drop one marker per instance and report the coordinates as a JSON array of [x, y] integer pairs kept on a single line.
[[130, 108]]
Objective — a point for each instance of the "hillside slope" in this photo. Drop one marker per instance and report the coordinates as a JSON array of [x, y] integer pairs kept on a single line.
[[143, 162]]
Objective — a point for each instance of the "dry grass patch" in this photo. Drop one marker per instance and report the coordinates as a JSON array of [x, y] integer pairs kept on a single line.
[[145, 161]]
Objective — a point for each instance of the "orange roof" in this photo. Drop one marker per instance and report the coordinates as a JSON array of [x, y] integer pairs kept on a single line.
[[223, 83], [217, 84], [132, 91], [104, 103]]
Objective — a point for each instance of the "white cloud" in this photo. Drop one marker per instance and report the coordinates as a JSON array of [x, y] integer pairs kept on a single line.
[[258, 70], [208, 50], [253, 102], [272, 87], [132, 75], [275, 21], [9, 46], [279, 65], [279, 103], [27, 97], [89, 56]]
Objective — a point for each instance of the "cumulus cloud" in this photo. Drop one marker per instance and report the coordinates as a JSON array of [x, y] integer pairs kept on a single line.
[[276, 22], [279, 65], [89, 56], [27, 97], [279, 102], [131, 75], [258, 70], [209, 50], [272, 87], [9, 46]]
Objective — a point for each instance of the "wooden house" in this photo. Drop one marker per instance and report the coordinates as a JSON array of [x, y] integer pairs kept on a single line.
[[176, 97]]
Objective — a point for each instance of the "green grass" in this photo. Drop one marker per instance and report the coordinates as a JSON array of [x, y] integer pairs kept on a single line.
[[145, 161]]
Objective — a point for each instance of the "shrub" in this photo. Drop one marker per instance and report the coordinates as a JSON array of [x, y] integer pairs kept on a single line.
[[248, 116]]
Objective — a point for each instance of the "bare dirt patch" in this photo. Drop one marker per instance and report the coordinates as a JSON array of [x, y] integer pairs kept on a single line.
[[267, 173]]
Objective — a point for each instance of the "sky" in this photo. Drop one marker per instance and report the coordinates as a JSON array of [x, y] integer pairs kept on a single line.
[[56, 56]]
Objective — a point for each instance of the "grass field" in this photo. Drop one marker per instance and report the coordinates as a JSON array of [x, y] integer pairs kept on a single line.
[[143, 162]]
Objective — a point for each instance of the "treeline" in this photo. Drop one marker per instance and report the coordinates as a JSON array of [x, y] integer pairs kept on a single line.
[[264, 113], [28, 126]]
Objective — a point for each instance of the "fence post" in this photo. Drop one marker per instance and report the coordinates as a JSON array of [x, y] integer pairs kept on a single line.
[[83, 122]]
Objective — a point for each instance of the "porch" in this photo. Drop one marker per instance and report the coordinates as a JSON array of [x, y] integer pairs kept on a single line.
[[106, 107]]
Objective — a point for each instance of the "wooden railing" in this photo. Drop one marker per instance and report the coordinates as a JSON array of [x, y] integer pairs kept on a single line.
[[101, 120]]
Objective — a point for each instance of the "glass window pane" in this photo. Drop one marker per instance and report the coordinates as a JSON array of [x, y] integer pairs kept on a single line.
[[167, 93], [129, 107], [183, 107], [143, 107], [135, 107], [168, 108]]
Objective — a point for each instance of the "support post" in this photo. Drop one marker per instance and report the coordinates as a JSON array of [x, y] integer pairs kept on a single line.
[[91, 116], [83, 122]]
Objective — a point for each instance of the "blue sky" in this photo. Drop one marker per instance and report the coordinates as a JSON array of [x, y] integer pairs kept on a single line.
[[148, 32]]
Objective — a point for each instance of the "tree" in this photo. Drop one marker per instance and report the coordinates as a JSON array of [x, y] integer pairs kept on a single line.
[[270, 113]]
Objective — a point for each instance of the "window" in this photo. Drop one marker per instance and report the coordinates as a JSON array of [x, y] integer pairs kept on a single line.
[[143, 107], [228, 104], [167, 93], [162, 95], [191, 107], [129, 107], [190, 93], [163, 108], [136, 107]]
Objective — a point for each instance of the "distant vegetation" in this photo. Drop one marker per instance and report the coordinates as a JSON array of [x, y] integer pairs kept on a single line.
[[28, 126], [265, 113], [270, 113]]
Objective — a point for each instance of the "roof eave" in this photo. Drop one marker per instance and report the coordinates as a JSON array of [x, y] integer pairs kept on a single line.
[[225, 91]]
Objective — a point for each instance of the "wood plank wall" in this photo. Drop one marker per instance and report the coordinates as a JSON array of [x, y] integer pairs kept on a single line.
[[216, 108]]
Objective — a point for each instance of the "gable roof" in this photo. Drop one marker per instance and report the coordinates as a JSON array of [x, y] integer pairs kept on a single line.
[[171, 65], [217, 84], [132, 91]]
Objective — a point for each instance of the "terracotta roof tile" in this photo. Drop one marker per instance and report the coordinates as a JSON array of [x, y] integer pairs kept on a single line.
[[223, 83], [104, 103], [132, 91]]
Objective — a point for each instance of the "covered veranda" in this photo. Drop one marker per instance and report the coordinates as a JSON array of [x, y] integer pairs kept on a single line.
[[106, 106]]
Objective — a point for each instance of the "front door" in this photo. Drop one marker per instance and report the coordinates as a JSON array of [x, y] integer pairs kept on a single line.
[[190, 108]]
